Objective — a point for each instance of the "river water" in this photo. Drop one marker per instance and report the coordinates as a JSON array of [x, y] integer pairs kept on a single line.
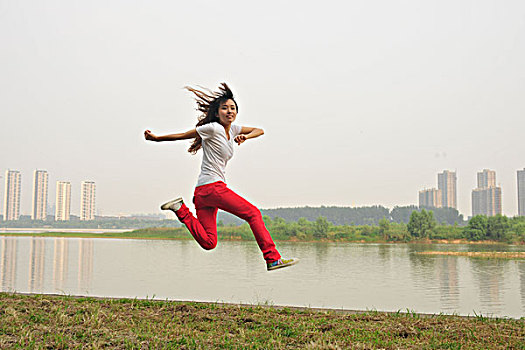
[[383, 277]]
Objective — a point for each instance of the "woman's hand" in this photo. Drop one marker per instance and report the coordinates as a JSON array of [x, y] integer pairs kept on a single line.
[[240, 139], [148, 135]]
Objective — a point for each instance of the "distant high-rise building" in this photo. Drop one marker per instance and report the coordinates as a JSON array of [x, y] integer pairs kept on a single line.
[[486, 199], [87, 202], [521, 192], [487, 179], [447, 185], [39, 209], [430, 198], [63, 201], [13, 180]]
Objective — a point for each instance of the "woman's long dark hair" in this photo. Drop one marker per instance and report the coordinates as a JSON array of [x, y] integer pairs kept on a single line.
[[208, 102]]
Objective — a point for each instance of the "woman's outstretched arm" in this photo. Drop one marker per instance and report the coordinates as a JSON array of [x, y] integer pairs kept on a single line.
[[248, 133], [191, 134]]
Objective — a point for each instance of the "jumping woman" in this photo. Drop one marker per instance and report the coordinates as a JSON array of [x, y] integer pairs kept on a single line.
[[215, 133]]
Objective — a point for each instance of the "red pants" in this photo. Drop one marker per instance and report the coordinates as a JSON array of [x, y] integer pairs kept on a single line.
[[211, 197]]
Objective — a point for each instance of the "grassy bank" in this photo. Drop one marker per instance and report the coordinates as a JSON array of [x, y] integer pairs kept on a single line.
[[57, 322], [486, 255]]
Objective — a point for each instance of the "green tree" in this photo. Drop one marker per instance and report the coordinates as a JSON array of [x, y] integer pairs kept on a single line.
[[517, 229], [497, 227], [477, 228], [421, 224], [321, 227], [384, 227], [303, 222]]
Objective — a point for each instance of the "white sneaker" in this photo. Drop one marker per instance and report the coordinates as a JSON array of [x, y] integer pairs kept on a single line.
[[173, 205]]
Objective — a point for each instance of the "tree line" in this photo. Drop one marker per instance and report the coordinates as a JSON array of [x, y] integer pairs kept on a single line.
[[422, 225], [339, 216], [371, 215], [479, 228]]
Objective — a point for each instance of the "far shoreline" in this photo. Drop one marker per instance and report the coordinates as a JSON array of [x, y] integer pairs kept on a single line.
[[73, 233]]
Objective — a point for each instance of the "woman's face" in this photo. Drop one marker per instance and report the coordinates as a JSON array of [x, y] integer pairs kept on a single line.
[[227, 112]]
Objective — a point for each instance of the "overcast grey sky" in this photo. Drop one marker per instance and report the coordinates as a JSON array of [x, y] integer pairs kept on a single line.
[[362, 102]]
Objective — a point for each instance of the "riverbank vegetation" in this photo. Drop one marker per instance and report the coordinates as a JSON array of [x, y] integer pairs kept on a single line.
[[421, 227], [60, 322]]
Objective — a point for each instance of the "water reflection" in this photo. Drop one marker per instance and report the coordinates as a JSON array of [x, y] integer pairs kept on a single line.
[[321, 254], [441, 274], [521, 268], [8, 264], [85, 264], [36, 265], [447, 269], [385, 252], [423, 266], [60, 263], [489, 275], [31, 254]]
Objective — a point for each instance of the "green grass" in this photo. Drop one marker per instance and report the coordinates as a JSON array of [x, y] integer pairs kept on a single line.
[[59, 322]]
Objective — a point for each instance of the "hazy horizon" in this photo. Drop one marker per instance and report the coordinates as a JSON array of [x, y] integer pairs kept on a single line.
[[51, 202], [363, 102]]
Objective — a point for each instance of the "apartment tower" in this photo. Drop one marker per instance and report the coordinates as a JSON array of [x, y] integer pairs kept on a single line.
[[13, 180], [430, 198], [486, 199], [447, 185], [87, 201], [521, 192], [63, 201], [39, 208], [487, 179]]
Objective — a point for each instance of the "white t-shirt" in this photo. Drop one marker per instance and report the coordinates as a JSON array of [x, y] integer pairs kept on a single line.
[[217, 151]]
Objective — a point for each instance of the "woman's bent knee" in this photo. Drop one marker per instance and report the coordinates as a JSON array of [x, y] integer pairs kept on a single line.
[[208, 245]]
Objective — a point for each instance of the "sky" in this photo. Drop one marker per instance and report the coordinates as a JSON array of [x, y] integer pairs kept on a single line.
[[362, 102]]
